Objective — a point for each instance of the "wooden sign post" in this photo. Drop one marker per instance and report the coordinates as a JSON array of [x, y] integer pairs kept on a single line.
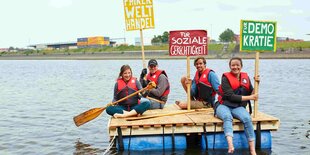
[[257, 36], [256, 83], [188, 43], [142, 48], [139, 15], [188, 70]]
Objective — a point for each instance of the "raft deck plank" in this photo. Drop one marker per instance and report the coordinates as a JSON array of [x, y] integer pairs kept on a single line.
[[267, 122], [157, 122], [183, 123]]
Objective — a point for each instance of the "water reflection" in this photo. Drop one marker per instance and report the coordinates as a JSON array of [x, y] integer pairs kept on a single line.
[[83, 148]]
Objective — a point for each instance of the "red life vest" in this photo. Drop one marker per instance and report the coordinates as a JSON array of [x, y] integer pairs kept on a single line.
[[124, 89], [235, 83], [155, 77], [242, 87], [205, 90]]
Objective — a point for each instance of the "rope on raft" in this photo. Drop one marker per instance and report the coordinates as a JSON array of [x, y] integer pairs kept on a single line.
[[110, 145]]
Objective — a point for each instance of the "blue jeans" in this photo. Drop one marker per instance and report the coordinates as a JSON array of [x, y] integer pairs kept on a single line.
[[227, 113], [156, 105], [140, 108], [194, 89]]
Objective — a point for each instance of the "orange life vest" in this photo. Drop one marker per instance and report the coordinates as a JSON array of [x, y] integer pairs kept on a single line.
[[240, 87], [124, 89], [155, 77]]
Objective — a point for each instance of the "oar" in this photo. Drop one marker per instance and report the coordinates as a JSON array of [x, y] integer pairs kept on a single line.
[[154, 99], [169, 114], [95, 112]]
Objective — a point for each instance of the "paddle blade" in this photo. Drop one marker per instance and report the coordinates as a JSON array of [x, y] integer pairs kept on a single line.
[[87, 116]]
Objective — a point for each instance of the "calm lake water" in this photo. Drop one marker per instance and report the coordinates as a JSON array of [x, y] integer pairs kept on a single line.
[[39, 98]]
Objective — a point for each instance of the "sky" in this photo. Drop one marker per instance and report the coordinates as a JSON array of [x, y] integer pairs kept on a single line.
[[25, 22]]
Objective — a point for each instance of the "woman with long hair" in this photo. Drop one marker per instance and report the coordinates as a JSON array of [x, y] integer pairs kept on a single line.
[[235, 92], [125, 85]]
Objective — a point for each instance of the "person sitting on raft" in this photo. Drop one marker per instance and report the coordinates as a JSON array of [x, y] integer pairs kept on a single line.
[[235, 92], [162, 90], [125, 85], [204, 86]]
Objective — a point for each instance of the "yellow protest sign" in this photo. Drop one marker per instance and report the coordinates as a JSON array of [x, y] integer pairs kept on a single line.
[[139, 14]]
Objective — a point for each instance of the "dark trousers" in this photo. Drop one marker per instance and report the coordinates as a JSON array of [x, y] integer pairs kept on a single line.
[[140, 108]]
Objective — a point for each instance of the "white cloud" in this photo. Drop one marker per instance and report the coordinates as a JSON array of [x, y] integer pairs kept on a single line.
[[60, 3]]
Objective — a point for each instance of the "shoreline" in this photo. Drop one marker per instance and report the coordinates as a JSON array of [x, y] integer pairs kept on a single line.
[[132, 55]]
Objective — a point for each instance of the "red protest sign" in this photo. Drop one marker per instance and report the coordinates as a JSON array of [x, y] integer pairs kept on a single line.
[[188, 43]]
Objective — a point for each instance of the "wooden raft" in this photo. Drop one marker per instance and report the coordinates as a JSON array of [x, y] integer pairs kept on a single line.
[[183, 123]]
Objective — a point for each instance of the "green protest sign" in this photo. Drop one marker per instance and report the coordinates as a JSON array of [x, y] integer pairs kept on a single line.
[[257, 35]]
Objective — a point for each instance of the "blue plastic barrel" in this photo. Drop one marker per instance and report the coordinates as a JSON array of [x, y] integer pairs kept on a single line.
[[153, 142], [218, 140]]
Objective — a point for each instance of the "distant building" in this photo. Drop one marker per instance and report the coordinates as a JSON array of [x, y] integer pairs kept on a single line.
[[121, 41], [236, 38], [4, 49], [94, 42], [52, 46], [146, 41], [281, 39], [287, 39], [137, 41], [86, 42]]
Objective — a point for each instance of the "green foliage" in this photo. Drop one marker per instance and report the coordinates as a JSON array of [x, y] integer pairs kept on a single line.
[[298, 45], [156, 39], [165, 37], [11, 48], [127, 48], [219, 47], [161, 38], [227, 36], [215, 47], [159, 47], [27, 52]]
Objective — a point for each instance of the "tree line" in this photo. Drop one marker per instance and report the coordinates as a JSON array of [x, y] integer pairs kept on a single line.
[[227, 36]]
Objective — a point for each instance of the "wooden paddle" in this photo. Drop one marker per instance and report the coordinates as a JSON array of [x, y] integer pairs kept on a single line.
[[154, 99], [95, 112], [169, 114]]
